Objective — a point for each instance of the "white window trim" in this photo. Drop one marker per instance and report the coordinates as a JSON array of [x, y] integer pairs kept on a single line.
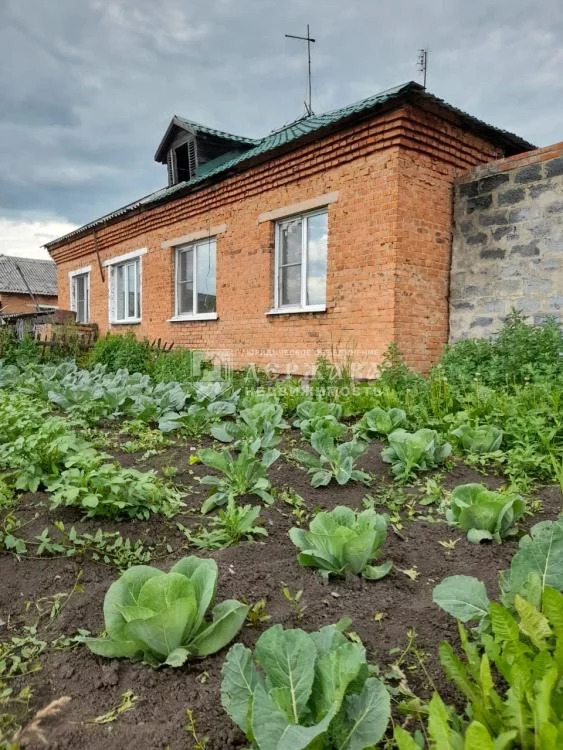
[[187, 317], [293, 310], [85, 270], [192, 318], [112, 264], [288, 309]]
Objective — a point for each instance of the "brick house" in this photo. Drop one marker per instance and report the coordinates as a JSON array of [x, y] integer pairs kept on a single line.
[[331, 235], [26, 283]]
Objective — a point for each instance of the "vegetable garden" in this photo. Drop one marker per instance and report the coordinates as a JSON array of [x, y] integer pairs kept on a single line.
[[194, 558]]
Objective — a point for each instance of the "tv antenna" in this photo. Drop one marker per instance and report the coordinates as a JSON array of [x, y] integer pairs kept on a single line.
[[422, 63], [308, 107]]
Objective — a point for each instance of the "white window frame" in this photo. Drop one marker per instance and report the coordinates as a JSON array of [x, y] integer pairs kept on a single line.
[[178, 316], [113, 264], [85, 271], [302, 307]]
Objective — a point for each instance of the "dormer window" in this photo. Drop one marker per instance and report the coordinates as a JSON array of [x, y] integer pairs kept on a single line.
[[182, 162], [188, 146]]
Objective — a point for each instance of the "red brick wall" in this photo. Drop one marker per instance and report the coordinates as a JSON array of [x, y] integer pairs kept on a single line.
[[388, 249], [11, 303]]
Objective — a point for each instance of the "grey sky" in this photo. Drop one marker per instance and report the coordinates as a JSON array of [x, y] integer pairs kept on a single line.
[[88, 86]]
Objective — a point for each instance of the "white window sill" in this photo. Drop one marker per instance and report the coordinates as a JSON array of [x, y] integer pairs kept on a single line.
[[296, 310], [192, 318], [129, 322]]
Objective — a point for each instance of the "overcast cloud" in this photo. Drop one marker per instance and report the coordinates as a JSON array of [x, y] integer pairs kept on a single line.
[[88, 86]]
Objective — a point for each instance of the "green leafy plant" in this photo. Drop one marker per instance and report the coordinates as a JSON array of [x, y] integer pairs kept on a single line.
[[343, 541], [410, 452], [484, 514], [119, 352], [537, 564], [303, 690], [525, 708], [109, 491], [315, 416], [378, 421], [478, 439], [242, 474], [231, 525], [159, 617], [263, 420], [334, 461]]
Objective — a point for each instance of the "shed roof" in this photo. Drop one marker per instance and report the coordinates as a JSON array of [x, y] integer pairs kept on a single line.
[[294, 135], [41, 275]]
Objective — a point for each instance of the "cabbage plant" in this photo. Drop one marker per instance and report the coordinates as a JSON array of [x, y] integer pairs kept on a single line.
[[479, 439], [484, 514], [379, 421], [343, 541], [242, 474], [160, 618], [409, 452], [315, 416], [263, 420], [334, 460], [305, 690]]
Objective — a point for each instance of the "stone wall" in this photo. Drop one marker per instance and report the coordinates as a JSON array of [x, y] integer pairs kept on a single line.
[[507, 243]]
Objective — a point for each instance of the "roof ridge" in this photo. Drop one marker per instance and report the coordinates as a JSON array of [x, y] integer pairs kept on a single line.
[[215, 131], [25, 257]]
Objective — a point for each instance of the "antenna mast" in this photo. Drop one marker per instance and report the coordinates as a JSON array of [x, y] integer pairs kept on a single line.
[[308, 106], [422, 63]]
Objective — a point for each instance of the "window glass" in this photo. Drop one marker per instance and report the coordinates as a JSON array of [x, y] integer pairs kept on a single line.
[[290, 242], [80, 295], [205, 263], [120, 292], [317, 235], [131, 290]]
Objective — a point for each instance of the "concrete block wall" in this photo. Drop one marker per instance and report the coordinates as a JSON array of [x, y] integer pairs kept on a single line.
[[508, 243]]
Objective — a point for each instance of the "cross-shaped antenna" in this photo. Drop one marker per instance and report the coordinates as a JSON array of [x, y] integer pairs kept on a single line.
[[307, 39], [422, 63]]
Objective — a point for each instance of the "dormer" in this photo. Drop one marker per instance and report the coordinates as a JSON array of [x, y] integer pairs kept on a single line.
[[187, 146]]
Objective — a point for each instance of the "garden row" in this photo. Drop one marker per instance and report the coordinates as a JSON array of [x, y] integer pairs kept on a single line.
[[320, 688]]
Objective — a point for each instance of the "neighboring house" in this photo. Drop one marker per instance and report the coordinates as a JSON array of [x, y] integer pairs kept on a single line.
[[331, 235], [26, 283]]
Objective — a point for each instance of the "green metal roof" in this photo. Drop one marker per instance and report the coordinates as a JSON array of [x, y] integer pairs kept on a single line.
[[288, 136]]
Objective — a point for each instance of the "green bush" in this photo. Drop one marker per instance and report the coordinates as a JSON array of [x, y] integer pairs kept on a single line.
[[125, 352], [179, 365], [17, 352], [519, 353]]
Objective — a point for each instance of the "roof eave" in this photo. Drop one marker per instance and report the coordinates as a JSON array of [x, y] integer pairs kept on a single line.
[[411, 92]]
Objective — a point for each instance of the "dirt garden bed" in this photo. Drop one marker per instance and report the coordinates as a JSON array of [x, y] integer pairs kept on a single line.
[[423, 548]]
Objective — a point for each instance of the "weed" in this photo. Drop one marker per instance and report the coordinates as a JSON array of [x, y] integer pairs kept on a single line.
[[199, 743], [257, 614], [127, 703], [294, 600]]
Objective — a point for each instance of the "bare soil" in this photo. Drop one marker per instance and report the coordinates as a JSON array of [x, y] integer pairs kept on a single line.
[[249, 571]]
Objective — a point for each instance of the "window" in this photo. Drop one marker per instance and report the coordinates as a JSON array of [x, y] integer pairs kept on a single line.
[[195, 280], [301, 252], [125, 283], [79, 282]]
